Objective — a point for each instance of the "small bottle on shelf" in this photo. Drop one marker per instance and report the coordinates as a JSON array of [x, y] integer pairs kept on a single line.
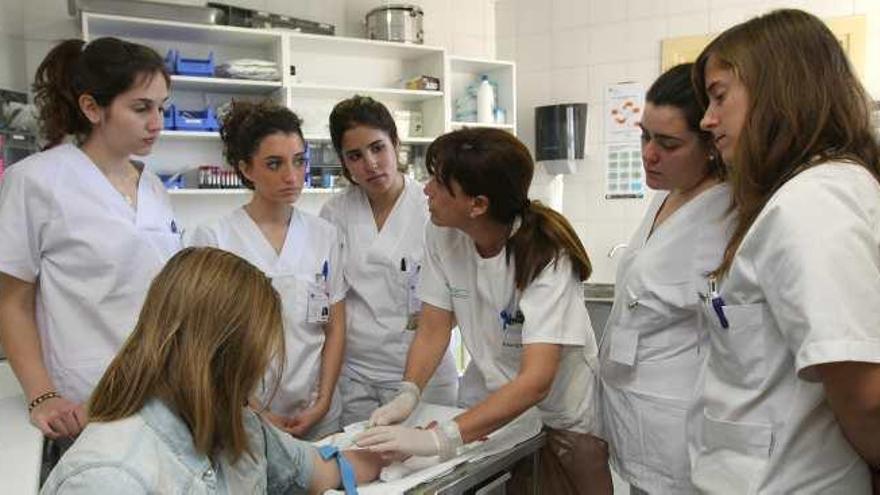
[[485, 101]]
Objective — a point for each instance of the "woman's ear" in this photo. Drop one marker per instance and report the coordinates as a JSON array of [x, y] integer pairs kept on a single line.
[[479, 206], [90, 108], [245, 169]]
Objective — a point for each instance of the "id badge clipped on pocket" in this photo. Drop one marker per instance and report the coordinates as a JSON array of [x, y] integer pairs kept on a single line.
[[512, 329], [318, 306]]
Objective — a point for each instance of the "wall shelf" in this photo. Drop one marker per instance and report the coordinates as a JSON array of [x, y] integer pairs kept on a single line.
[[317, 72], [341, 92], [223, 85], [242, 191], [461, 125]]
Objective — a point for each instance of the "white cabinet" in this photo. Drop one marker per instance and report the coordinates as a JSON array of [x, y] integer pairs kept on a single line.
[[316, 73], [462, 72]]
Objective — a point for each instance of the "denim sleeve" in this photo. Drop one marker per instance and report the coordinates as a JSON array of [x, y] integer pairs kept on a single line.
[[95, 479], [289, 462]]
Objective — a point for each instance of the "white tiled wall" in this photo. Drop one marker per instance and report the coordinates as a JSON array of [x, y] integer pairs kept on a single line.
[[570, 50]]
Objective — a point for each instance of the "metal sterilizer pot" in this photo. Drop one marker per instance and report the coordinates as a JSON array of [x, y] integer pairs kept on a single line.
[[396, 22]]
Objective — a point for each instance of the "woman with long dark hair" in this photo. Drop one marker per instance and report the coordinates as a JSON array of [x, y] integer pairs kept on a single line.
[[508, 271], [654, 343], [84, 227]]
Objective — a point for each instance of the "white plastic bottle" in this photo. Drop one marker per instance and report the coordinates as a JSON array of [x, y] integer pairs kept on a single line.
[[485, 101]]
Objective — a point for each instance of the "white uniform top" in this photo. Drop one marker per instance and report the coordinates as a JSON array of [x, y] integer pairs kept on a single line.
[[64, 227], [382, 271], [550, 310], [804, 289], [310, 243], [654, 342]]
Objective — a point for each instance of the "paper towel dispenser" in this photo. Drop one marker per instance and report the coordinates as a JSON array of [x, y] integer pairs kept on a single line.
[[560, 133]]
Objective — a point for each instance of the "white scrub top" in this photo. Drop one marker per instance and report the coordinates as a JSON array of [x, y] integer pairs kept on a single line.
[[551, 310], [654, 342], [65, 228], [803, 289], [310, 243], [381, 269]]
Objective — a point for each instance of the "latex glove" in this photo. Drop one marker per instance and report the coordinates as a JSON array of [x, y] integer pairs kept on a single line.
[[400, 439], [443, 441], [399, 408], [59, 417]]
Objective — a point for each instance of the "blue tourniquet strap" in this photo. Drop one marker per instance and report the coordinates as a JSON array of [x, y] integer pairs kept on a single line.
[[346, 471]]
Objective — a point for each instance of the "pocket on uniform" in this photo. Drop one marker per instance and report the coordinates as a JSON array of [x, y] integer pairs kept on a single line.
[[738, 351], [658, 306], [665, 439], [733, 454]]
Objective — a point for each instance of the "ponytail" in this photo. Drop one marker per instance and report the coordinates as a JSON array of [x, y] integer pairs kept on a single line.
[[495, 164], [103, 69], [55, 96], [542, 235]]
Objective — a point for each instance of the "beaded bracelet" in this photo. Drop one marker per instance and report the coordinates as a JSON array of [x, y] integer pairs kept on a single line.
[[42, 398]]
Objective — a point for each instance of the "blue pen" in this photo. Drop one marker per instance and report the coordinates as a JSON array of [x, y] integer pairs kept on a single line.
[[717, 303]]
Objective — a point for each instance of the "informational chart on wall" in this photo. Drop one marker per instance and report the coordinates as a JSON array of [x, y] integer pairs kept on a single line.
[[624, 176]]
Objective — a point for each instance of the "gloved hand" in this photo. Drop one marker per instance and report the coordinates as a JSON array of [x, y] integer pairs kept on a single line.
[[400, 439], [442, 441], [399, 408]]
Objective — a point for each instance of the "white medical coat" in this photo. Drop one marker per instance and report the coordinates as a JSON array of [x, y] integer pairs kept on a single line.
[[803, 289], [65, 228], [456, 278], [654, 343], [377, 268], [310, 242]]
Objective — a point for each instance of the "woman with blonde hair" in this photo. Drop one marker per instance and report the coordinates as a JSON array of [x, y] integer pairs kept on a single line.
[[791, 394], [170, 412]]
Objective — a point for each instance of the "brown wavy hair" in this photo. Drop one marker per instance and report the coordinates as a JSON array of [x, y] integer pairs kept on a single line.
[[246, 124], [495, 164], [103, 68], [208, 330], [806, 106]]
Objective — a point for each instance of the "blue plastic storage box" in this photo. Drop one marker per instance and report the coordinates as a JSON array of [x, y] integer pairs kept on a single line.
[[177, 64], [195, 120]]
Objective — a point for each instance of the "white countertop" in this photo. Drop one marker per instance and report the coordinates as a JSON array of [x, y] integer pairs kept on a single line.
[[20, 443]]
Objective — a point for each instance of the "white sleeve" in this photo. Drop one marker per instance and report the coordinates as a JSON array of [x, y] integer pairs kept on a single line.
[[433, 283], [24, 215], [337, 285], [553, 307], [203, 236], [819, 268]]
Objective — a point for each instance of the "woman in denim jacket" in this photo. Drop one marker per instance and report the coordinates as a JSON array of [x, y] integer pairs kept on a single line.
[[169, 415]]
